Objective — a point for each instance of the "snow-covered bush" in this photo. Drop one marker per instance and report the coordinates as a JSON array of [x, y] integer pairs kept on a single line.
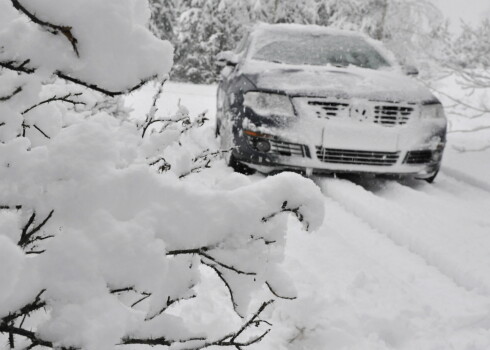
[[101, 244]]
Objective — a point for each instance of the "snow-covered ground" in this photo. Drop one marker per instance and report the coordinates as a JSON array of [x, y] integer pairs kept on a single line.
[[394, 265]]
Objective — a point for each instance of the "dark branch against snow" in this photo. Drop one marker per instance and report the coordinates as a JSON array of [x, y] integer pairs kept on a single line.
[[52, 28]]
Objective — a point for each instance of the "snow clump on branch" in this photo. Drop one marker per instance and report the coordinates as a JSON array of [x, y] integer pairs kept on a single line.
[[97, 248]]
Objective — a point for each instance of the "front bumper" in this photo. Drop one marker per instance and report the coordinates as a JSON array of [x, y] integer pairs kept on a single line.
[[421, 161]]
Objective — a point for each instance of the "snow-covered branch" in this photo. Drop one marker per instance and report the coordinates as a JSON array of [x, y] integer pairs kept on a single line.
[[94, 236], [53, 28]]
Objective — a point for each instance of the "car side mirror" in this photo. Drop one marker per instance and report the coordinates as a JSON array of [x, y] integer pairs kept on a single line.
[[227, 58], [410, 70]]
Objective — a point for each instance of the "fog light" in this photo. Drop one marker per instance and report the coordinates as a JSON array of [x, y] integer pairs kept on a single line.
[[436, 156], [263, 146]]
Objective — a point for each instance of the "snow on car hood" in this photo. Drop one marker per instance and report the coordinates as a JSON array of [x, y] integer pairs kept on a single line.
[[348, 82]]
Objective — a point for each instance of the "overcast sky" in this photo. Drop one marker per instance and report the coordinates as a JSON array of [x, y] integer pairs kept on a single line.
[[470, 11]]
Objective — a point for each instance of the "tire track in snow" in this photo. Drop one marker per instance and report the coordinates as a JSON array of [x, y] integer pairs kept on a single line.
[[370, 285], [459, 176], [420, 234]]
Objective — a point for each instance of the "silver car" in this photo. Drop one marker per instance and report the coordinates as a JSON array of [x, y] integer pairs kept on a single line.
[[318, 100]]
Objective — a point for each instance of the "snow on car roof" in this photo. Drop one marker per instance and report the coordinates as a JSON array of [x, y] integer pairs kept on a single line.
[[264, 33], [282, 28]]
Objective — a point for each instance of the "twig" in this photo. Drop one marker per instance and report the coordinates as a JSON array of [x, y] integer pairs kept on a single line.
[[52, 28], [102, 90], [18, 67], [26, 309], [285, 209], [203, 253], [27, 235], [65, 98], [42, 132], [277, 294], [8, 97]]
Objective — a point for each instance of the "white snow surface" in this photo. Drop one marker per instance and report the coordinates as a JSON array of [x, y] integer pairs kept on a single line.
[[395, 265], [120, 25]]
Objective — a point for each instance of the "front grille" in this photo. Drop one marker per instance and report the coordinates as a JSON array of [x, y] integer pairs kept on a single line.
[[391, 115], [344, 156], [288, 149], [366, 111], [418, 157], [328, 109]]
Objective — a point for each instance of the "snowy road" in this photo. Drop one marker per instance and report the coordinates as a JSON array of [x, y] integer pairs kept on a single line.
[[394, 266]]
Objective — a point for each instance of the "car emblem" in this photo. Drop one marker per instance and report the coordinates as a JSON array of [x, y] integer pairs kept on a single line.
[[360, 112]]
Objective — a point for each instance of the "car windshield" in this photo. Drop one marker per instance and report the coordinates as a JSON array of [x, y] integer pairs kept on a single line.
[[320, 50]]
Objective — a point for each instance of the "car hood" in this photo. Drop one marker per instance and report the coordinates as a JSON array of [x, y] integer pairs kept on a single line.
[[348, 82]]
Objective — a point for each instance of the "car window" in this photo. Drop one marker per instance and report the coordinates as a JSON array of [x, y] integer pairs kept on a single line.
[[319, 50]]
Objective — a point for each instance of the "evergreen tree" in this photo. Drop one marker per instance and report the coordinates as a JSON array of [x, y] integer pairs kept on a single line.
[[205, 29], [163, 18], [200, 29]]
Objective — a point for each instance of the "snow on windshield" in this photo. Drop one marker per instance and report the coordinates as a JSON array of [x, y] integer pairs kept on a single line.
[[320, 50]]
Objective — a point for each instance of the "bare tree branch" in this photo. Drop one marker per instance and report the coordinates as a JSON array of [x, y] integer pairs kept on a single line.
[[206, 157], [277, 294], [18, 67], [203, 253], [100, 89], [166, 121], [285, 209], [65, 98], [52, 28], [42, 132], [153, 109], [8, 97], [225, 282], [27, 236], [21, 67], [10, 207], [229, 340]]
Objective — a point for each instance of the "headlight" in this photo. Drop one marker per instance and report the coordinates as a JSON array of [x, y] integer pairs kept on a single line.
[[268, 105], [433, 111]]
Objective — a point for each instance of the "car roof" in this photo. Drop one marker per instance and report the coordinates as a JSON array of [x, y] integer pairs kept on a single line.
[[292, 28], [264, 32]]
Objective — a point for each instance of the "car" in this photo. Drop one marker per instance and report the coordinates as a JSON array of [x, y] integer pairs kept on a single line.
[[317, 100]]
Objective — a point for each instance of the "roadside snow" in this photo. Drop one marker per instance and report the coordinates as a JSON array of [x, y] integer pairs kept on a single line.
[[394, 265]]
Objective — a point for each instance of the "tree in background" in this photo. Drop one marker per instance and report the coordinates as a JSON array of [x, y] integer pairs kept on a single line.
[[406, 27], [204, 28], [289, 11], [465, 64], [163, 18]]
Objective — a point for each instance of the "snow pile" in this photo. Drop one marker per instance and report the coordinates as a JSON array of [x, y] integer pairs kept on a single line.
[[98, 228], [395, 265], [107, 42]]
